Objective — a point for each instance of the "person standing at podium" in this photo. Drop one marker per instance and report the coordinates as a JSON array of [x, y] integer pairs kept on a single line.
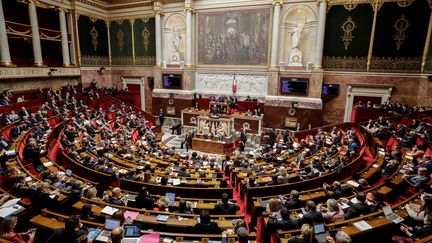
[[161, 117], [214, 110], [243, 139]]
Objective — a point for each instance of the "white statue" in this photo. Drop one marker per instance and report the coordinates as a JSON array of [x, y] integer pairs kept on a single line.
[[221, 130], [296, 36], [177, 38]]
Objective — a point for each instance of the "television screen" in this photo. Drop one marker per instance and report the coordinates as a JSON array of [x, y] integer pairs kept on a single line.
[[294, 85], [330, 89], [172, 80]]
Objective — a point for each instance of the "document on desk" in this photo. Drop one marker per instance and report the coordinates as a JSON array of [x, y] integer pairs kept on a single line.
[[49, 163], [362, 225], [150, 238], [109, 210], [131, 214], [176, 181], [5, 212], [10, 203], [353, 183]]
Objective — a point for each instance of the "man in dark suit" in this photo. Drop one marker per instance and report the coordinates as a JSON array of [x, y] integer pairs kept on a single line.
[[16, 131], [205, 226], [243, 140], [161, 117], [311, 216], [226, 207], [272, 138], [358, 208], [115, 197], [183, 207], [24, 112], [293, 200], [4, 143]]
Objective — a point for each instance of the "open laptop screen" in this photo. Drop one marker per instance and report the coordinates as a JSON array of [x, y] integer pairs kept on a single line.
[[132, 230], [111, 224], [387, 210], [319, 228]]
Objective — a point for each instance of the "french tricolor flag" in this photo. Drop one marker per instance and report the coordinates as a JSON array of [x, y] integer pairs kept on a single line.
[[234, 84]]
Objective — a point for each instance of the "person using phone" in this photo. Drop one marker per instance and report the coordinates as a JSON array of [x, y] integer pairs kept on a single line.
[[7, 231]]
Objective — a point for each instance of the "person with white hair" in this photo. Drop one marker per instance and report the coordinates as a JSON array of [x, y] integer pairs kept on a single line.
[[340, 237]]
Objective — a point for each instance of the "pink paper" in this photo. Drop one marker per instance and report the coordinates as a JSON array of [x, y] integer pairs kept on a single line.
[[150, 238], [132, 214]]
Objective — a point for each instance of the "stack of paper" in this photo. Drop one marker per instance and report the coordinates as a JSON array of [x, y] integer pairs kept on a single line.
[[109, 210], [362, 225]]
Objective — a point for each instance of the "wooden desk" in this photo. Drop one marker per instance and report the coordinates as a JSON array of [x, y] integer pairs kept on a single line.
[[208, 146]]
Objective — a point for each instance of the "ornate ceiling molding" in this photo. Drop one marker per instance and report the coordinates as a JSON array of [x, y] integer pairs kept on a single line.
[[351, 2]]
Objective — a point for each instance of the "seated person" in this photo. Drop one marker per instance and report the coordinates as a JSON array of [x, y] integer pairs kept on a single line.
[[71, 233], [340, 237], [116, 235], [332, 213], [226, 207], [418, 180], [335, 190], [183, 207], [293, 200], [419, 231], [311, 216], [205, 226], [144, 200], [115, 197], [7, 231], [358, 208], [307, 235]]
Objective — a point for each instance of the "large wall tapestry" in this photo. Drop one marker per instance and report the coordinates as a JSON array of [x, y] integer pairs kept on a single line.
[[347, 37], [145, 41], [93, 41], [121, 42], [237, 37], [400, 36]]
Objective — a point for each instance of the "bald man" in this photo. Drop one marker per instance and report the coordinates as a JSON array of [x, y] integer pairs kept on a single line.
[[116, 235]]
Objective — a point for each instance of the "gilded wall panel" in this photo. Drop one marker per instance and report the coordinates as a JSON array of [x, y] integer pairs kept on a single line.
[[93, 41], [346, 43]]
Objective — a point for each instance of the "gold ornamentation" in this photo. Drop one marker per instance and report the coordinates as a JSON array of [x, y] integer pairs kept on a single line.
[[94, 61], [94, 35], [345, 63], [401, 25], [350, 5], [376, 6], [145, 35], [145, 20], [404, 3], [93, 19], [396, 64], [119, 22], [120, 38], [348, 27]]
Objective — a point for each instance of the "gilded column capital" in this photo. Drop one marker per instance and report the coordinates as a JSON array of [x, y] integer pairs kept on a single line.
[[107, 22], [158, 12], [132, 21], [277, 2], [190, 9]]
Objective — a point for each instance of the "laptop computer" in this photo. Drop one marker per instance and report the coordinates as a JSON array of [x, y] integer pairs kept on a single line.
[[388, 212], [132, 233], [320, 232], [69, 172], [171, 197], [109, 225]]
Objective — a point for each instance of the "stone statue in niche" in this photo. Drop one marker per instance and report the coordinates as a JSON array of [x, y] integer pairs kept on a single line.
[[296, 56], [176, 41]]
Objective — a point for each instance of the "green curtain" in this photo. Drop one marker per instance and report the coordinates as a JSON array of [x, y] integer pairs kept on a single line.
[[145, 41], [93, 41], [121, 42]]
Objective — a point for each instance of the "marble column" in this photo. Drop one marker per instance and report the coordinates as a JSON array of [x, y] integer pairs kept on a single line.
[[275, 34], [64, 38], [5, 58], [189, 44], [158, 24], [37, 49], [319, 45]]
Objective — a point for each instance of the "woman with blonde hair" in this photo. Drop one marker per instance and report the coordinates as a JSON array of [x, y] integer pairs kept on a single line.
[[283, 176], [162, 204], [332, 213], [91, 194], [307, 235], [7, 231]]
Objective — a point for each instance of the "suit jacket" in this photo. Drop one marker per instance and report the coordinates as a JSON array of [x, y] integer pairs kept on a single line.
[[229, 208], [356, 209], [211, 228], [311, 218]]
